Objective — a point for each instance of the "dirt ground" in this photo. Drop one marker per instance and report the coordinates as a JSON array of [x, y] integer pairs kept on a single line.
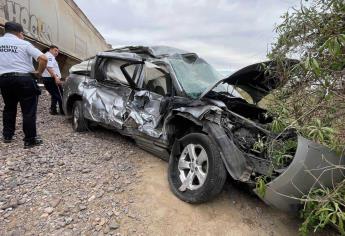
[[99, 183]]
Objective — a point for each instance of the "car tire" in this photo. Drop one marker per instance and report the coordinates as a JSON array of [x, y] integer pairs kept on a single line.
[[79, 123], [207, 179]]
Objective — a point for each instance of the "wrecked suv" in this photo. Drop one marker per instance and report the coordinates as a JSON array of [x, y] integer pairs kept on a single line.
[[176, 106]]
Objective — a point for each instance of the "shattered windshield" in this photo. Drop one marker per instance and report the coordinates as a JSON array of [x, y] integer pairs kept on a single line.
[[196, 75]]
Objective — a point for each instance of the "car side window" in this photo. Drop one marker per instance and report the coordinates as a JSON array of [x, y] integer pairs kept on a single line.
[[113, 73], [117, 71], [134, 71], [156, 81]]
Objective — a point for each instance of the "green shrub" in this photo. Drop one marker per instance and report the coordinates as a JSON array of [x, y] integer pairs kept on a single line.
[[313, 95]]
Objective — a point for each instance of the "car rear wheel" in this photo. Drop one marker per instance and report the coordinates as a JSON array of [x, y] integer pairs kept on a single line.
[[196, 173], [79, 123]]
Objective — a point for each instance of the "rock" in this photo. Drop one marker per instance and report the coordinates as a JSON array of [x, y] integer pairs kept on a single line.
[[131, 215], [12, 204], [82, 207], [85, 171], [126, 210], [102, 222], [114, 225], [7, 214], [44, 215], [55, 202], [106, 229], [21, 201], [61, 163], [110, 213], [117, 213], [91, 198], [49, 210], [100, 194], [110, 189], [108, 157], [61, 223], [68, 220], [65, 211], [98, 227]]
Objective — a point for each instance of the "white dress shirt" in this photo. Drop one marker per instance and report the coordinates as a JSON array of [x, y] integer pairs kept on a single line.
[[16, 55], [53, 64]]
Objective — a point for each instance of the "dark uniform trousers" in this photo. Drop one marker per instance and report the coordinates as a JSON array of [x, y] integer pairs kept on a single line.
[[22, 90], [55, 92]]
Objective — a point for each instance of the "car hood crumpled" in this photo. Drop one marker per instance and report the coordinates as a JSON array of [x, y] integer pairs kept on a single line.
[[258, 80]]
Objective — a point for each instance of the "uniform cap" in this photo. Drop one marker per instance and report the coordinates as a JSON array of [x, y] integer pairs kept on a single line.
[[13, 27]]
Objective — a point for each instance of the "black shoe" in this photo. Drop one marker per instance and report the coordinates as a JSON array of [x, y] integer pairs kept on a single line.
[[53, 112], [32, 143], [7, 139]]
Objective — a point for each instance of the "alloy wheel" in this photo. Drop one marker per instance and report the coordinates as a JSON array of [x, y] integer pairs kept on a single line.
[[193, 167], [76, 114]]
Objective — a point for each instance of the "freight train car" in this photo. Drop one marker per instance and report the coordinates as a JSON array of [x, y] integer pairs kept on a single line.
[[58, 22]]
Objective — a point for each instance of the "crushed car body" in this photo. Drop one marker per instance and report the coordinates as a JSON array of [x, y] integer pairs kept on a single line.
[[176, 106]]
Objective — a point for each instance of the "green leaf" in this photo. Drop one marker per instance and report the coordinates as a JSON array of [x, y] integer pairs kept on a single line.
[[315, 66], [341, 39], [261, 186], [334, 219], [328, 129]]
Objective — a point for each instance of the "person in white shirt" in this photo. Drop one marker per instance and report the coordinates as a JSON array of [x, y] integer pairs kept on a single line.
[[18, 84], [51, 79]]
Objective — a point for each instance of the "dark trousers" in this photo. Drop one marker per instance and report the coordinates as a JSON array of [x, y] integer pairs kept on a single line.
[[22, 90], [55, 92]]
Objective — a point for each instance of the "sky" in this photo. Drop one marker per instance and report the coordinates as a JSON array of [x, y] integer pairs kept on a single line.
[[229, 34]]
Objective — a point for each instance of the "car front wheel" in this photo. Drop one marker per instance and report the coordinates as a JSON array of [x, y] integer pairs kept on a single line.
[[196, 172], [79, 123]]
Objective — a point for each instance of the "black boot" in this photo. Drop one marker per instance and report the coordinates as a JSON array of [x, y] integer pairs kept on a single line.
[[7, 139], [32, 142], [61, 112], [53, 112]]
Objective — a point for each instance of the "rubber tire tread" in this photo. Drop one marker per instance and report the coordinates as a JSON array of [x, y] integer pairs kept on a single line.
[[216, 176], [82, 124]]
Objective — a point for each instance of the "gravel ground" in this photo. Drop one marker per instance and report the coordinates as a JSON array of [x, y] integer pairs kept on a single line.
[[74, 184]]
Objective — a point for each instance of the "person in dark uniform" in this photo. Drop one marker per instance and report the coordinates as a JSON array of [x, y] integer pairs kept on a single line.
[[18, 84], [52, 80]]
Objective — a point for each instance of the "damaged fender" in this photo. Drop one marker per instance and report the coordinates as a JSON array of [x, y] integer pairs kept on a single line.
[[233, 158]]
